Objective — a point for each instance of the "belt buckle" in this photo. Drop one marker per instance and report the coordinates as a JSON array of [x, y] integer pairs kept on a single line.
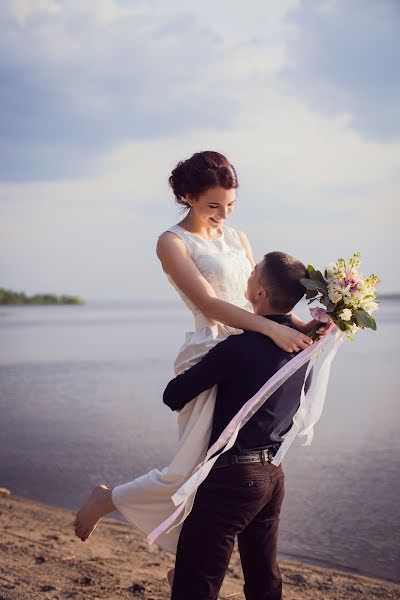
[[265, 456]]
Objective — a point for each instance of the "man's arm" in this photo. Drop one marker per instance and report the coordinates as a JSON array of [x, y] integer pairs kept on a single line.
[[214, 368]]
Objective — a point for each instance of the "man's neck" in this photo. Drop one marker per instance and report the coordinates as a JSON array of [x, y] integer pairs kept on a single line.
[[265, 309]]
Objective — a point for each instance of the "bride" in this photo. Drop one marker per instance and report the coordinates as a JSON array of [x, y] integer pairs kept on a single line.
[[208, 263]]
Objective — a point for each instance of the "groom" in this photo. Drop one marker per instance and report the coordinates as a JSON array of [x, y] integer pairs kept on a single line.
[[243, 493]]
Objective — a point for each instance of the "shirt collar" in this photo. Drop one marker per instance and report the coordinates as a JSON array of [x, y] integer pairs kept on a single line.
[[282, 319]]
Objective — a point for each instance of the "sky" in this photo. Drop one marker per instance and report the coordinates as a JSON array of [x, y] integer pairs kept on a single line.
[[101, 98]]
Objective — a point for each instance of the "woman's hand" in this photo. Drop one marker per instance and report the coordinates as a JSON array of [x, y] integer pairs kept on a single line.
[[287, 338]]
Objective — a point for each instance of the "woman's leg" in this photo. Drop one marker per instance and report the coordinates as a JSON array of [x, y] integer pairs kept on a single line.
[[97, 506]]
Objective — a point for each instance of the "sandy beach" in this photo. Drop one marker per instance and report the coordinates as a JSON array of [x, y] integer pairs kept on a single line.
[[41, 558]]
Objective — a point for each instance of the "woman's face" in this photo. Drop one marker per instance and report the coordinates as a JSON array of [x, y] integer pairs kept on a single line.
[[213, 206]]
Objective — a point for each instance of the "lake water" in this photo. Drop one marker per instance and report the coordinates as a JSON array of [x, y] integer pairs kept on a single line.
[[80, 404]]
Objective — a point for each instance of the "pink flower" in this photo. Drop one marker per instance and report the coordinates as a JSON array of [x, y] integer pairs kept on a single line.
[[319, 314], [352, 282]]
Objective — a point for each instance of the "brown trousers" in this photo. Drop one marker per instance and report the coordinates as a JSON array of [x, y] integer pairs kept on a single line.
[[242, 500]]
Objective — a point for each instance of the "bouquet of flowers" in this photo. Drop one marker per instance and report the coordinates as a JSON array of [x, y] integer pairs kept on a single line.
[[349, 297]]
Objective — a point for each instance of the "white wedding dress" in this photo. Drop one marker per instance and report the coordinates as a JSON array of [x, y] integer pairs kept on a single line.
[[146, 501]]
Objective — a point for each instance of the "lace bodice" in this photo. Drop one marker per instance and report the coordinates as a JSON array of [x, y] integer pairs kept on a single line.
[[222, 261]]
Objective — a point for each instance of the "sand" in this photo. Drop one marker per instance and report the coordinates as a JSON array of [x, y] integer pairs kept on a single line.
[[40, 557]]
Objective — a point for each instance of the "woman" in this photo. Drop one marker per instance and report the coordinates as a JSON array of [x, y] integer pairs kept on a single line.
[[209, 264]]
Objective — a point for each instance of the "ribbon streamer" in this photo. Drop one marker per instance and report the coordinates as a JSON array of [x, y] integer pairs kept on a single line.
[[310, 409]]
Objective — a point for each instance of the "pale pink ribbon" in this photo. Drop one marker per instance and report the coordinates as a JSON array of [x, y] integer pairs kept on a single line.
[[228, 437]]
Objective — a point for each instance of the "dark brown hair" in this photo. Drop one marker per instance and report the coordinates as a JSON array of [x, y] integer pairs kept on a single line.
[[201, 172], [280, 275]]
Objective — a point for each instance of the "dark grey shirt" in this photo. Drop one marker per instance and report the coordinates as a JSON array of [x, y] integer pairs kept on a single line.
[[240, 365]]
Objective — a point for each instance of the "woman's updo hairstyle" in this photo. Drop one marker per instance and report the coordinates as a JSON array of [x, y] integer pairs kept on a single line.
[[201, 172]]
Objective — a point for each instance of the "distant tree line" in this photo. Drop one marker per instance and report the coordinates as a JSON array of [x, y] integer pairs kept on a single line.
[[11, 297]]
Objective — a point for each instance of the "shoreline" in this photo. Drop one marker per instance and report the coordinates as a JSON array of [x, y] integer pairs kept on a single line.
[[42, 558], [282, 556], [311, 562]]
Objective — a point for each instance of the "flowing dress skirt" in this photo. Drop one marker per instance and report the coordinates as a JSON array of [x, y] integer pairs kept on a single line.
[[146, 501]]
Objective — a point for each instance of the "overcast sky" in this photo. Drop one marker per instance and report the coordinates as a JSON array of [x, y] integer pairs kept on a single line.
[[100, 99]]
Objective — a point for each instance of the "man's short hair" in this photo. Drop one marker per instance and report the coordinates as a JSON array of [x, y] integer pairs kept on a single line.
[[280, 275]]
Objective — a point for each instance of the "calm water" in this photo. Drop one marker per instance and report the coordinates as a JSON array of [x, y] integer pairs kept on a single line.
[[80, 404]]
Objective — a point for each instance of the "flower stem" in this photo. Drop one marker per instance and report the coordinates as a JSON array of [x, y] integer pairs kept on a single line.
[[313, 333]]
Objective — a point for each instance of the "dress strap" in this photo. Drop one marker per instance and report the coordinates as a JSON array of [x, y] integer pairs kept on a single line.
[[184, 236], [177, 230]]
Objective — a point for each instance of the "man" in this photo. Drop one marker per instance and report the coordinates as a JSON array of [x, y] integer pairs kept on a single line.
[[243, 493]]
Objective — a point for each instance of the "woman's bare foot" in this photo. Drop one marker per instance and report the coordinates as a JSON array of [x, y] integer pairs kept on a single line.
[[170, 577], [97, 506]]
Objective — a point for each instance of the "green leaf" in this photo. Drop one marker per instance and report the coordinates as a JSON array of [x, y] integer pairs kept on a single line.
[[319, 277], [373, 324], [335, 319], [324, 300], [363, 318], [315, 275], [311, 271], [311, 294], [311, 284]]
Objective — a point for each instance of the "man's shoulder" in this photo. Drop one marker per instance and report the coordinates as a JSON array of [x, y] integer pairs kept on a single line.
[[250, 352], [252, 342], [247, 342], [253, 337], [235, 343]]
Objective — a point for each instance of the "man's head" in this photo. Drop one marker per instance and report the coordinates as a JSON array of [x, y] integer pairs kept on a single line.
[[274, 286]]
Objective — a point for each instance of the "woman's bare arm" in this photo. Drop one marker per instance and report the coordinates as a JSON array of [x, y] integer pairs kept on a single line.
[[246, 245], [179, 265]]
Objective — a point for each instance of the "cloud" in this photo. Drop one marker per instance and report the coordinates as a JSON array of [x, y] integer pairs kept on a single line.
[[102, 98], [345, 59], [80, 78], [78, 81], [308, 185]]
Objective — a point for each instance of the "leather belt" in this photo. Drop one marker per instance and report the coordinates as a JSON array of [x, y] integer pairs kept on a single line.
[[263, 456]]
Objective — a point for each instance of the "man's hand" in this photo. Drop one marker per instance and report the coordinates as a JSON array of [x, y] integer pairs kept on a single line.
[[325, 328]]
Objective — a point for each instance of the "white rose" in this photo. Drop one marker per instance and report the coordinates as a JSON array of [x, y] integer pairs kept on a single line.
[[335, 297], [368, 305], [346, 314], [334, 292], [346, 293]]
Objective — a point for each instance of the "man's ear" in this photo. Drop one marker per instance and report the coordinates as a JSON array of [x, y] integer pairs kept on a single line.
[[262, 294]]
